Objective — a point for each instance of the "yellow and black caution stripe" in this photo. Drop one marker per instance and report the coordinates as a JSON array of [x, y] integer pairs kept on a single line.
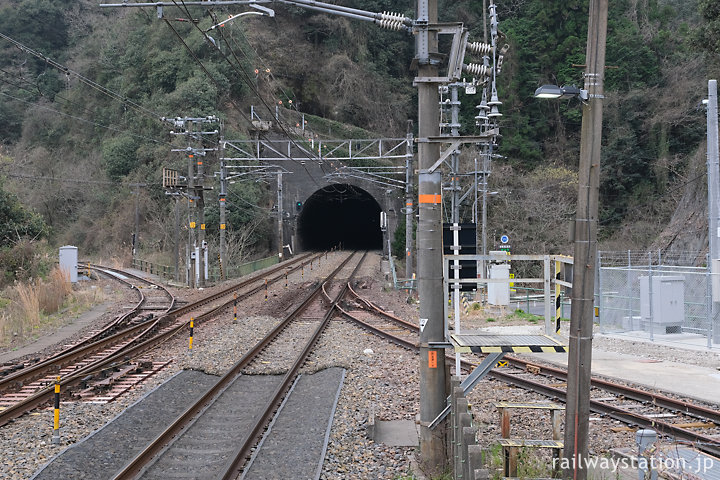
[[56, 413], [192, 328], [513, 349], [512, 343], [558, 301]]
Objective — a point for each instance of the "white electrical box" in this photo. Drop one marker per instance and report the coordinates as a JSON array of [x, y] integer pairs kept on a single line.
[[69, 262], [667, 298]]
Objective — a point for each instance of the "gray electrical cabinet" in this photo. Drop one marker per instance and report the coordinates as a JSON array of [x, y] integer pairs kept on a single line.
[[69, 262], [667, 299]]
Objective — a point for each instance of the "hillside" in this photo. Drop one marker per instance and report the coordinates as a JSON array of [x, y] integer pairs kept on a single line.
[[76, 143]]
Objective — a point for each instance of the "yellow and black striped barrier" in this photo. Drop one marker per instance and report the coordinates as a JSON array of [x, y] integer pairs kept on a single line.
[[56, 413]]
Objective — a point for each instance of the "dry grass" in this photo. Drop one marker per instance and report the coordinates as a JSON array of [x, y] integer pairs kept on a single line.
[[28, 305]]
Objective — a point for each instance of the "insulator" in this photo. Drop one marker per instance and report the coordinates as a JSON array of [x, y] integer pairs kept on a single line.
[[477, 69], [392, 21], [494, 112], [479, 48], [494, 100]]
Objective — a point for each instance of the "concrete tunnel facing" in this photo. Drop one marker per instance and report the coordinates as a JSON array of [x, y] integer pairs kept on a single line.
[[340, 214]]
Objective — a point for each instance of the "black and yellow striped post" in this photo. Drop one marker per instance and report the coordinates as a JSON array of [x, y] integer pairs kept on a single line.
[[311, 265], [266, 289], [192, 327], [558, 300], [286, 283], [235, 307], [56, 413], [302, 271]]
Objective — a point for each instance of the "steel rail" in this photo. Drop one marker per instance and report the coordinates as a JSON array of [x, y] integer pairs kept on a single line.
[[160, 323], [376, 330], [88, 346], [235, 465], [43, 395], [164, 439], [638, 395], [702, 442]]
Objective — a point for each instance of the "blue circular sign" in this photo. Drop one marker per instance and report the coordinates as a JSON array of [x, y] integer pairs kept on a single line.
[[504, 239]]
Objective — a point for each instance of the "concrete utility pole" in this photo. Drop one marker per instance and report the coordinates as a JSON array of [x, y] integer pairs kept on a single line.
[[280, 214], [223, 213], [200, 195], [409, 206], [429, 240], [192, 223], [713, 174], [197, 246], [577, 410]]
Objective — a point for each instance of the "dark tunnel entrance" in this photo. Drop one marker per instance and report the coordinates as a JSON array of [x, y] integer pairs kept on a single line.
[[340, 214]]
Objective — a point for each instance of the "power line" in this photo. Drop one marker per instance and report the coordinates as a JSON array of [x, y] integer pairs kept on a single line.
[[244, 74], [85, 80], [75, 180], [80, 119]]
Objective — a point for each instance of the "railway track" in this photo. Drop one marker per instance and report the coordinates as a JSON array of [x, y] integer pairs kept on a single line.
[[33, 385], [611, 398], [216, 415]]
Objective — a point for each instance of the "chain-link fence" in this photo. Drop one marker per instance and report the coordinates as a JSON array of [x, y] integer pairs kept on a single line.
[[652, 295]]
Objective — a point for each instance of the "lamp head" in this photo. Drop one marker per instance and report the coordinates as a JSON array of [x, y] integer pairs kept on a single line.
[[553, 91]]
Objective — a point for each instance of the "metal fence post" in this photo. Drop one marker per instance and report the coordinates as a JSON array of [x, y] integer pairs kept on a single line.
[[708, 302]]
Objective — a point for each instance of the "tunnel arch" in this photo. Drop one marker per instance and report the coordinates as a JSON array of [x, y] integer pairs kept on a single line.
[[340, 214]]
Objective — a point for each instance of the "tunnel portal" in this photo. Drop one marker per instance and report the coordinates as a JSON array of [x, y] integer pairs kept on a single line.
[[340, 214]]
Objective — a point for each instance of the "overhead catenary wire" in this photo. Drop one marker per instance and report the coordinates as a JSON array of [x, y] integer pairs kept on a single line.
[[244, 75]]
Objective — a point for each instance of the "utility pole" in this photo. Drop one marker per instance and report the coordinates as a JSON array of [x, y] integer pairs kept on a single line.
[[713, 175], [409, 206], [192, 223], [200, 195], [197, 246], [223, 213], [577, 410], [136, 234], [429, 247], [280, 215], [176, 253]]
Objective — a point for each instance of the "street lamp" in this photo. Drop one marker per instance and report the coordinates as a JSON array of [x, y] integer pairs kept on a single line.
[[554, 92]]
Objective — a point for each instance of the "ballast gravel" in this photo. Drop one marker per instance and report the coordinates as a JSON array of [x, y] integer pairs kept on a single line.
[[381, 380]]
